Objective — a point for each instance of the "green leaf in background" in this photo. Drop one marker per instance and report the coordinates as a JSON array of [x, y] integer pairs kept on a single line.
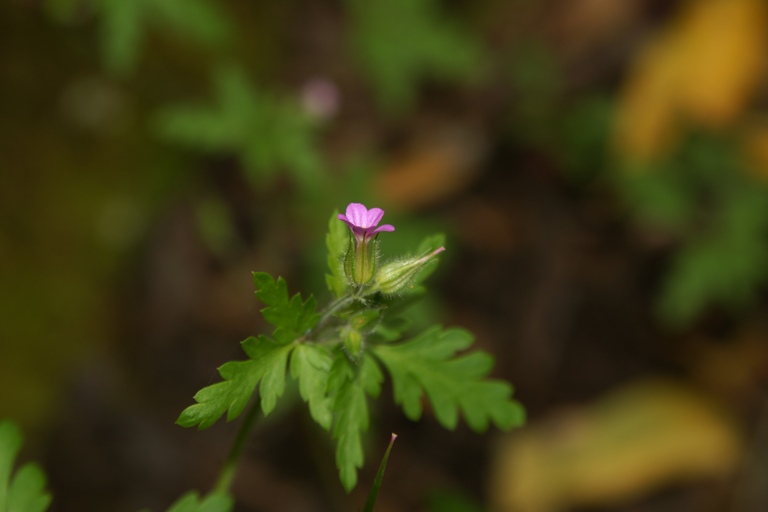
[[124, 23], [214, 502], [659, 196], [336, 240], [121, 33], [724, 266], [427, 364], [23, 491], [401, 42], [310, 366], [703, 199], [269, 133], [349, 386]]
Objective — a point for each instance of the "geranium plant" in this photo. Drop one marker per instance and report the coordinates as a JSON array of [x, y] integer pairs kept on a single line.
[[338, 356]]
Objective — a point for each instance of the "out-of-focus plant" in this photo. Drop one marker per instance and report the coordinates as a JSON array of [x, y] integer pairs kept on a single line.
[[269, 133], [672, 146], [704, 196], [124, 25], [680, 161], [399, 43]]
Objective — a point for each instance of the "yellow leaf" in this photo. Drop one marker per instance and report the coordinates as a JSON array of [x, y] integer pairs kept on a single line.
[[703, 69], [722, 43], [640, 438]]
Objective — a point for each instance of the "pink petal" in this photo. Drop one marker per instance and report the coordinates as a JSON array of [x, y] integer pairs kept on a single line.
[[357, 214], [374, 217], [385, 227]]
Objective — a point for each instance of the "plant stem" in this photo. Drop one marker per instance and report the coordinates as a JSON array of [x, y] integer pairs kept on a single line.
[[333, 308], [227, 473]]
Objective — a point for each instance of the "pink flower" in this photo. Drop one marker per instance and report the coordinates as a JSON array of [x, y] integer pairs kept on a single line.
[[363, 221]]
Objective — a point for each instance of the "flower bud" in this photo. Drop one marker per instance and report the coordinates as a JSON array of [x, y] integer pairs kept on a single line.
[[353, 341], [396, 275]]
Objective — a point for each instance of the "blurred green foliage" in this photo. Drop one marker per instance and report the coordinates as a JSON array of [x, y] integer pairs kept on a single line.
[[399, 43], [701, 197], [705, 197], [125, 25], [270, 133]]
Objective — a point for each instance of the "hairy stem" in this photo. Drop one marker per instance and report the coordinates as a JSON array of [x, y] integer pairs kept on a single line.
[[334, 308]]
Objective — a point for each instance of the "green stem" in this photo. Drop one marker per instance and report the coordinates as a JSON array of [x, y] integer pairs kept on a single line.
[[227, 473], [333, 308]]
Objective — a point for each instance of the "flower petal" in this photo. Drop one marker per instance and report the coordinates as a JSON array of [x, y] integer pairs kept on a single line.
[[374, 217], [385, 227], [357, 214]]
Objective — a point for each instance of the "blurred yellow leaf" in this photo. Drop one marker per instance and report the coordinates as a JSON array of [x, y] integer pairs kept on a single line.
[[703, 68], [641, 437]]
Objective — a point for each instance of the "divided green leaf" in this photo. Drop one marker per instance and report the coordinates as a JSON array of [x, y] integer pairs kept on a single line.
[[310, 366], [428, 364], [349, 386], [291, 317], [267, 363], [23, 491]]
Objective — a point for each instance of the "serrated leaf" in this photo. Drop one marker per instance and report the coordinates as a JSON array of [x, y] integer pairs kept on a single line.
[[310, 366], [291, 317], [336, 241], [350, 385], [214, 502], [267, 364], [428, 364], [23, 491]]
